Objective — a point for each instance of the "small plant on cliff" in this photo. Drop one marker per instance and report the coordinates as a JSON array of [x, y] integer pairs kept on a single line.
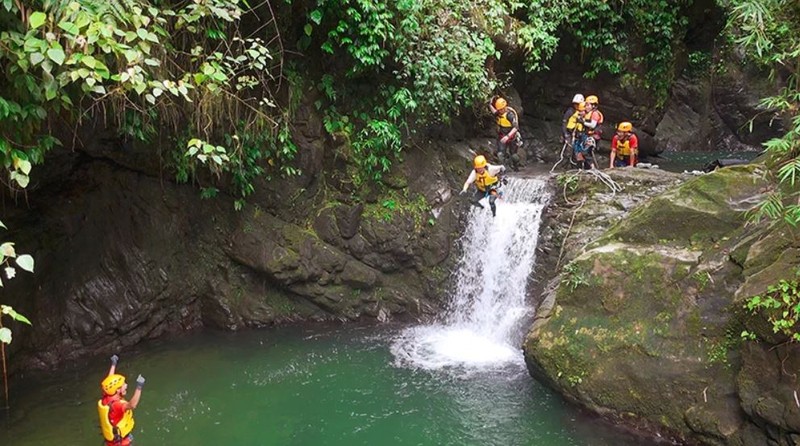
[[25, 262], [574, 277], [766, 30], [781, 305]]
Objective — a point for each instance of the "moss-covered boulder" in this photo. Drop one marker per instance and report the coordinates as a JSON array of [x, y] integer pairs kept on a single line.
[[643, 321]]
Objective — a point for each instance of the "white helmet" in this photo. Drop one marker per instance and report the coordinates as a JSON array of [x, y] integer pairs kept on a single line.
[[577, 98]]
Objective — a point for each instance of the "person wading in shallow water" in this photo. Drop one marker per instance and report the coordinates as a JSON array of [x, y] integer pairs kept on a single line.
[[487, 182], [116, 414]]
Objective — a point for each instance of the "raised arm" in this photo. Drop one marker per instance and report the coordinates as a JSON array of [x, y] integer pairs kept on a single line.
[[114, 360], [137, 394]]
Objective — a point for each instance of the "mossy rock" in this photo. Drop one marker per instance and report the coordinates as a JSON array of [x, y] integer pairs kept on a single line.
[[621, 337], [700, 211]]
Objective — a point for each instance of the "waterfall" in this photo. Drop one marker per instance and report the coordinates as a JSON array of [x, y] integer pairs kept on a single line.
[[482, 326]]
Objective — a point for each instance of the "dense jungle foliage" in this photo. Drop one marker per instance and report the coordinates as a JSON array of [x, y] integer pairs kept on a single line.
[[766, 31], [214, 84]]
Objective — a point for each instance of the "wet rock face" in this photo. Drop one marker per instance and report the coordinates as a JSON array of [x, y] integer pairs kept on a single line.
[[642, 322], [123, 255]]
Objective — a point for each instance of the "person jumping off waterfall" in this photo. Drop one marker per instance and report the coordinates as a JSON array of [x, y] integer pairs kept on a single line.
[[487, 182]]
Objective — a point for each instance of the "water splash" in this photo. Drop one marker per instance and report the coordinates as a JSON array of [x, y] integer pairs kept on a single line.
[[481, 329]]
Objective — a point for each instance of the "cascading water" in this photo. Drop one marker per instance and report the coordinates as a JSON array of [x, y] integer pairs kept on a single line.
[[481, 328]]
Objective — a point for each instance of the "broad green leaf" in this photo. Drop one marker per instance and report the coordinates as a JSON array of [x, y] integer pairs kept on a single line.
[[56, 55], [89, 61], [25, 166], [316, 16], [25, 262], [37, 19], [308, 29], [69, 27], [7, 249], [21, 179], [36, 58]]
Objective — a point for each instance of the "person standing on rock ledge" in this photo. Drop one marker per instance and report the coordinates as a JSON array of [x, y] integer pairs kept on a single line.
[[624, 147], [581, 151], [487, 182], [566, 133], [116, 414], [509, 139]]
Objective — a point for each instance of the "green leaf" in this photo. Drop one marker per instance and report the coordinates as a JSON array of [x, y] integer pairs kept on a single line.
[[308, 29], [5, 335], [7, 249], [5, 309], [316, 16], [25, 262], [21, 179], [56, 55], [37, 19], [36, 58], [69, 27], [25, 166]]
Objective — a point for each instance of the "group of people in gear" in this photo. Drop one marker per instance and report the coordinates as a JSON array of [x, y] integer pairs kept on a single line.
[[581, 128]]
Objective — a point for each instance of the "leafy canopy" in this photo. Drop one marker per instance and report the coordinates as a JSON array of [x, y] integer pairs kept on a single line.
[[182, 71]]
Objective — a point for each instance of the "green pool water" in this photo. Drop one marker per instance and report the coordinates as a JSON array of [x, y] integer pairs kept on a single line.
[[336, 385]]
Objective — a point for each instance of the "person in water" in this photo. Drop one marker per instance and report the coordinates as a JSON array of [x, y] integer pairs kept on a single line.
[[487, 182], [116, 414]]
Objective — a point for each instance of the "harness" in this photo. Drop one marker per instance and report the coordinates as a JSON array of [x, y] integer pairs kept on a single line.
[[503, 121], [112, 432], [484, 181], [596, 131]]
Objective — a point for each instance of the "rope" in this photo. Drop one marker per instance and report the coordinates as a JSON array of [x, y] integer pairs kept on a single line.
[[564, 242], [561, 159], [605, 179]]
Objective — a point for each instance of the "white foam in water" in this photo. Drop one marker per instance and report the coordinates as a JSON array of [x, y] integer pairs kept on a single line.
[[481, 328]]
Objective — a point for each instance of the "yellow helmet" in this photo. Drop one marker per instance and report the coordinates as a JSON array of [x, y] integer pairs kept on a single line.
[[112, 383], [479, 161], [625, 127], [500, 103], [592, 100]]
